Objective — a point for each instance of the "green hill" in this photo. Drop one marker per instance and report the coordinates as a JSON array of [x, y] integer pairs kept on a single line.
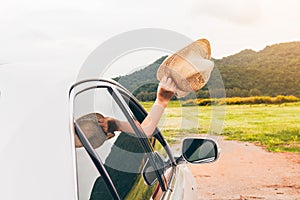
[[273, 71], [143, 83]]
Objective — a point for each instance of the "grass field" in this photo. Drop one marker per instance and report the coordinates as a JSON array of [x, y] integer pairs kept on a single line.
[[275, 127]]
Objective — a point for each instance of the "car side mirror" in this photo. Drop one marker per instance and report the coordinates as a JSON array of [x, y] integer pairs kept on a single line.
[[199, 150]]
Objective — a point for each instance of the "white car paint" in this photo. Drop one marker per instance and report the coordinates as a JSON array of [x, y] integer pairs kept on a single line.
[[35, 145], [185, 185]]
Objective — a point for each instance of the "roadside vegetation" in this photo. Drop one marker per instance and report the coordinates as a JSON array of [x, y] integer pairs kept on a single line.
[[276, 127], [241, 100]]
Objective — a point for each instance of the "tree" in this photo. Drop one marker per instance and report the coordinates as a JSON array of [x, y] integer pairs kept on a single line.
[[255, 92]]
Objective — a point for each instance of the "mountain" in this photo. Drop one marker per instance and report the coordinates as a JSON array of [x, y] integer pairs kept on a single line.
[[273, 71], [142, 82]]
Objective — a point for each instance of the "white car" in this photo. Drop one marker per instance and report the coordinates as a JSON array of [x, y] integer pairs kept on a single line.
[[39, 159], [129, 165]]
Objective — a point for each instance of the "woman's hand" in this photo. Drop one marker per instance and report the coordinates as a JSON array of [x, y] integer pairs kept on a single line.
[[109, 125], [165, 92]]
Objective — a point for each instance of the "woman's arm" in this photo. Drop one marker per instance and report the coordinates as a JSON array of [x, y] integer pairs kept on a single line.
[[165, 92]]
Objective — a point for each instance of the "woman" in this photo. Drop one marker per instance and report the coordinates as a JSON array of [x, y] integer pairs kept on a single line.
[[90, 124]]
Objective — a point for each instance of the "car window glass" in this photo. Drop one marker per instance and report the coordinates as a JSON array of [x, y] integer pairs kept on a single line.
[[87, 174], [140, 116], [121, 152]]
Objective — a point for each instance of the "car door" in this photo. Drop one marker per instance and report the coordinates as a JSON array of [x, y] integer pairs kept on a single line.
[[110, 166]]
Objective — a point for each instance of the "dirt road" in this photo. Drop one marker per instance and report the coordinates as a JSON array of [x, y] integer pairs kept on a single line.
[[245, 171]]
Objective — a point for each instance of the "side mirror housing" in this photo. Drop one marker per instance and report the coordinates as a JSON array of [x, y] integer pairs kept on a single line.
[[200, 150]]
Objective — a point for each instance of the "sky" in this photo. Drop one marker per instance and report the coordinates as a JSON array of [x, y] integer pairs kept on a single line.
[[62, 33]]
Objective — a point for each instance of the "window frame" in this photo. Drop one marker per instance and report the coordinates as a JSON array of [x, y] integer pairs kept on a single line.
[[114, 89]]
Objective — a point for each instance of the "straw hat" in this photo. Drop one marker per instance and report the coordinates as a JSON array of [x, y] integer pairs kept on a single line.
[[189, 68]]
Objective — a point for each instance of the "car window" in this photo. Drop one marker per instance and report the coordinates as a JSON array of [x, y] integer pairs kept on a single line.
[[140, 115], [121, 152]]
